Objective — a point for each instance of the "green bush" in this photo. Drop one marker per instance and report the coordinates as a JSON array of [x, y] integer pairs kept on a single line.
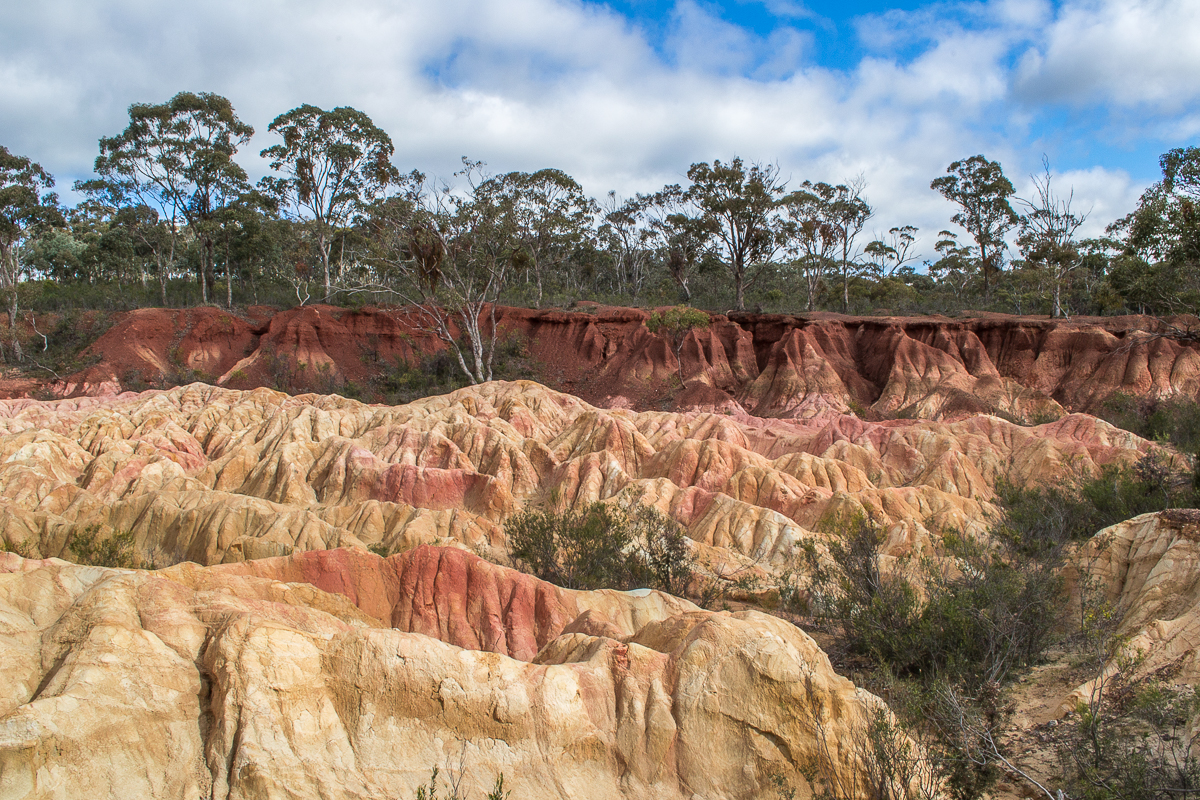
[[1037, 521], [974, 625], [1175, 419], [118, 550], [603, 547]]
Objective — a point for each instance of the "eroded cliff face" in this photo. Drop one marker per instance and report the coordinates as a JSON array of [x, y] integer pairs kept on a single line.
[[287, 661], [767, 365], [343, 675], [213, 475]]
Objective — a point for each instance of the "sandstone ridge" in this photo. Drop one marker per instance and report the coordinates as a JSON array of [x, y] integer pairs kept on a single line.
[[214, 475], [283, 678]]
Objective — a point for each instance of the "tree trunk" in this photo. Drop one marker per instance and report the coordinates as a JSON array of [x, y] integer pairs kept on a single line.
[[323, 244], [228, 279], [162, 278]]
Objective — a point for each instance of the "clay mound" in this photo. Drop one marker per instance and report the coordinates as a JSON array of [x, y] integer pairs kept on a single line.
[[215, 475], [771, 366], [1148, 570], [242, 681]]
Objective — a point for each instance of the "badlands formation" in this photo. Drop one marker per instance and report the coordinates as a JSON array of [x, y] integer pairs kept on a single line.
[[274, 656]]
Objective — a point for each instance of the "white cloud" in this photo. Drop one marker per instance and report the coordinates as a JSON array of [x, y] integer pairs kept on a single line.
[[1129, 52], [524, 84]]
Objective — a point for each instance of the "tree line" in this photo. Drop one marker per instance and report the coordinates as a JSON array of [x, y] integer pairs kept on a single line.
[[172, 218]]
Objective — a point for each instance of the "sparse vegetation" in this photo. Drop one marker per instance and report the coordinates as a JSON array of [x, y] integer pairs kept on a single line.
[[118, 549], [1174, 420], [21, 548], [603, 546]]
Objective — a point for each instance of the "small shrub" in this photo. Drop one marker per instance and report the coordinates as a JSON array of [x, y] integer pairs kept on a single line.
[[1174, 419], [1038, 521], [603, 546], [118, 550], [22, 548], [974, 626]]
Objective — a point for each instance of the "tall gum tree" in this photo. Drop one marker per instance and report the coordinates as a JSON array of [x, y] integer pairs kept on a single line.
[[449, 253], [813, 233], [333, 164], [741, 204], [177, 158], [26, 207], [981, 191], [1047, 236]]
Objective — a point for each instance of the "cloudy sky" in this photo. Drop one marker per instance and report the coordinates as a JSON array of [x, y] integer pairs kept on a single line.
[[624, 95]]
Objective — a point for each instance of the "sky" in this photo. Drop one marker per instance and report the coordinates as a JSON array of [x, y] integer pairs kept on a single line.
[[624, 95]]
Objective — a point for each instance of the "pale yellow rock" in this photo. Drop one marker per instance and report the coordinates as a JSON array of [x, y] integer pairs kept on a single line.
[[207, 681]]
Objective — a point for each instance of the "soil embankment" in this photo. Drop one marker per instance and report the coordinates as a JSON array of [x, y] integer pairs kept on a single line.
[[771, 366]]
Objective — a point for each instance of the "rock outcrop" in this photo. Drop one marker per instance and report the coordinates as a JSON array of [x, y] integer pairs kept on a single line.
[[213, 475], [1145, 573], [768, 365], [344, 675]]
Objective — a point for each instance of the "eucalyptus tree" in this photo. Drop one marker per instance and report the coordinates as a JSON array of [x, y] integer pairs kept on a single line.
[[982, 192], [1047, 236], [624, 232], [890, 255], [551, 217], [813, 233], [449, 252], [332, 165], [740, 203], [27, 206], [177, 159], [1162, 235], [850, 213], [681, 231]]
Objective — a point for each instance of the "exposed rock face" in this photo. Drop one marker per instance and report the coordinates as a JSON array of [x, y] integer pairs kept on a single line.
[[770, 366], [239, 681], [1148, 570], [213, 475]]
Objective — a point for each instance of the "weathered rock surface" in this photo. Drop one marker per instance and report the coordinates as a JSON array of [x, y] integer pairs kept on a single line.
[[212, 475], [1147, 571], [768, 365], [343, 675]]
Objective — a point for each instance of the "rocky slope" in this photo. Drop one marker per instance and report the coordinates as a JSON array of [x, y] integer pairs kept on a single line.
[[212, 475], [768, 365], [343, 675]]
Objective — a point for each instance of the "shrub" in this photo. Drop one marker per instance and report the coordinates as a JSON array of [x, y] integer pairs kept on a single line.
[[22, 548], [118, 550], [1037, 521], [602, 546], [1173, 419], [674, 324], [975, 624]]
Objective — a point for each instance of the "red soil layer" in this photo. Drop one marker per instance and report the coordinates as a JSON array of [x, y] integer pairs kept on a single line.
[[767, 365], [442, 592]]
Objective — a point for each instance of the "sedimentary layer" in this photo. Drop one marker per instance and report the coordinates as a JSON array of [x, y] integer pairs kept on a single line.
[[344, 675]]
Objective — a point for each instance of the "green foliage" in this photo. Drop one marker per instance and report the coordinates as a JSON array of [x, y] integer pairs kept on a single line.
[[982, 192], [118, 550], [603, 547], [454, 789], [21, 548], [1037, 521], [1174, 419], [675, 323], [975, 625], [1132, 737]]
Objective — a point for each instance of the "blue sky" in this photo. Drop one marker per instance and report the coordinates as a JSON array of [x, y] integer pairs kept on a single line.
[[624, 95]]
